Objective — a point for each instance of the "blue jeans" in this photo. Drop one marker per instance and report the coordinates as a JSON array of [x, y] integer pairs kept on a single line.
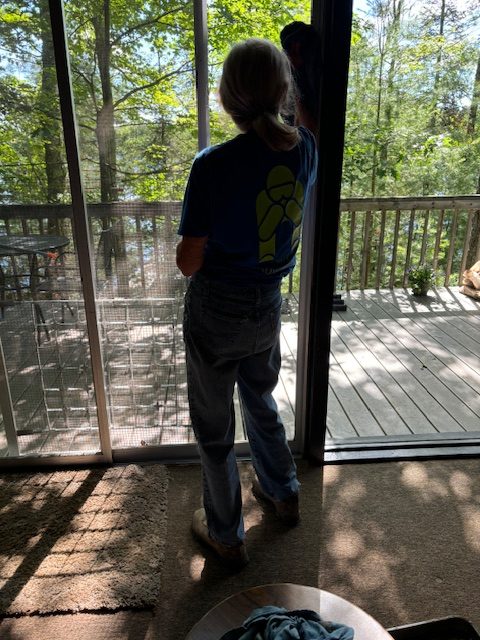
[[232, 336]]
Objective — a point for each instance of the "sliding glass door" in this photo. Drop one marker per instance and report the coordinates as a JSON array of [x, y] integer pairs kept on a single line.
[[404, 367], [96, 151], [48, 398]]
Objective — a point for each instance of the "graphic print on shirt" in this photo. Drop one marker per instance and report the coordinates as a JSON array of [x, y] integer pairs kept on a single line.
[[281, 202]]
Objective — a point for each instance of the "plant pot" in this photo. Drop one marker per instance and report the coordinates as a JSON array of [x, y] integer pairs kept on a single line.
[[420, 291]]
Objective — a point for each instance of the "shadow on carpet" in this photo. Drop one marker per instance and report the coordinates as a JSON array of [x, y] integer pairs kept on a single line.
[[85, 540]]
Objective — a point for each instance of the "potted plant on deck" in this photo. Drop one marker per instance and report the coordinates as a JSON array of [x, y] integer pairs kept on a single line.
[[421, 278]]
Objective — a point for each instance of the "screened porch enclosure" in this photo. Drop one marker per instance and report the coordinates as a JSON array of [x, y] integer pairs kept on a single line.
[[402, 368]]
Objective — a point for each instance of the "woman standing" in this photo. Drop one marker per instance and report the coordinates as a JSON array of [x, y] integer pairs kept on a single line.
[[241, 224]]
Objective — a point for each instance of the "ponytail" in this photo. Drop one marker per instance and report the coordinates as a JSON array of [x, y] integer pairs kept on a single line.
[[278, 135]]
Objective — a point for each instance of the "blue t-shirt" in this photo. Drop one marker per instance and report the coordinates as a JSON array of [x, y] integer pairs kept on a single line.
[[249, 201]]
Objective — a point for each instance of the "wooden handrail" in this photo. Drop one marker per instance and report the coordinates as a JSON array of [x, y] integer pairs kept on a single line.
[[406, 203], [381, 252]]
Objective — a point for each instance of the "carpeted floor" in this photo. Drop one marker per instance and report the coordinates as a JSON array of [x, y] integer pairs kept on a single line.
[[82, 540], [399, 539]]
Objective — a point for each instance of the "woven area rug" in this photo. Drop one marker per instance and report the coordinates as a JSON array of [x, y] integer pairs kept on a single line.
[[84, 540]]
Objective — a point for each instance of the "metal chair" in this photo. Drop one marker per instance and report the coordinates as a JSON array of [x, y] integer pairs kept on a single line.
[[16, 283], [61, 276], [59, 279]]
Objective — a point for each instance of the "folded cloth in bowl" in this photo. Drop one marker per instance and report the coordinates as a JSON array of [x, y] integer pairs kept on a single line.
[[277, 623]]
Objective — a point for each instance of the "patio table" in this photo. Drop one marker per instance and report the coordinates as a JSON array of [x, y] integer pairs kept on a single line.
[[32, 246]]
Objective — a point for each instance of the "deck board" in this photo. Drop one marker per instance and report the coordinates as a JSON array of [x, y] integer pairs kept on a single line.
[[360, 367], [339, 424], [460, 381], [430, 394], [399, 386], [386, 399], [449, 337], [400, 367]]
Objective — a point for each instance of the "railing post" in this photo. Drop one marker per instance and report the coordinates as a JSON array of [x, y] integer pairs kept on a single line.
[[366, 250], [380, 258], [438, 237], [138, 229], [466, 243], [395, 249], [423, 250], [451, 248], [351, 241], [409, 247]]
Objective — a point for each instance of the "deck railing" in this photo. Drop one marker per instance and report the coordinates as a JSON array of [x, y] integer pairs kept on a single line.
[[380, 239]]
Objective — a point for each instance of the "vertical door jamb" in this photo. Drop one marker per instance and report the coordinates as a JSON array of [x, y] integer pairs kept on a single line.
[[201, 71], [333, 21], [80, 218]]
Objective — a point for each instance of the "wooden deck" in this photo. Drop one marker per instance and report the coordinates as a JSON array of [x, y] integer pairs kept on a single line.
[[401, 368], [405, 367]]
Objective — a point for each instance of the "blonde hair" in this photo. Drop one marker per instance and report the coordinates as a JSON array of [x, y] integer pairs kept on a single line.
[[255, 88]]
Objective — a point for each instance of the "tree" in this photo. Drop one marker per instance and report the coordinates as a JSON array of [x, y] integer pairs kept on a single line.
[[30, 105], [410, 87], [412, 98], [124, 59], [473, 253], [48, 109]]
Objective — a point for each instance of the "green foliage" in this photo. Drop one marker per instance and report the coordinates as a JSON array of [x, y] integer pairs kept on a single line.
[[421, 278], [409, 101]]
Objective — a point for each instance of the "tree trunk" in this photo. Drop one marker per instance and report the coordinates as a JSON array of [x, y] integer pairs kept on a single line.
[[105, 125], [473, 253], [392, 46], [472, 117], [438, 65], [373, 184], [474, 246], [389, 14], [49, 114], [107, 145]]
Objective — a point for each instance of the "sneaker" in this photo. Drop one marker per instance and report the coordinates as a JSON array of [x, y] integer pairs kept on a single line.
[[234, 557], [287, 510]]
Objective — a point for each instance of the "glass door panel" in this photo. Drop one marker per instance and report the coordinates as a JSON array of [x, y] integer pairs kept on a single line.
[[134, 85], [48, 400], [228, 23], [404, 361]]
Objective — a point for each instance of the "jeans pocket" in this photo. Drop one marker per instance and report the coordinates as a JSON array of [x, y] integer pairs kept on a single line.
[[223, 327]]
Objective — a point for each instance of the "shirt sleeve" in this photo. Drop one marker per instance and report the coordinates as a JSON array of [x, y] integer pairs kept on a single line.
[[196, 210]]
